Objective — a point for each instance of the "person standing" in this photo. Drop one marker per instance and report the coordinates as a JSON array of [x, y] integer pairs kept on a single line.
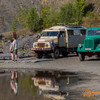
[[11, 50], [15, 46]]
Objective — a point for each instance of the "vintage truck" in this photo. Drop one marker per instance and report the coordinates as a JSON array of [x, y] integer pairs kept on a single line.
[[91, 44], [59, 40]]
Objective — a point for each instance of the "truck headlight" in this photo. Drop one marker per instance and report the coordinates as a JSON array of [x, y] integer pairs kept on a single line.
[[80, 45]]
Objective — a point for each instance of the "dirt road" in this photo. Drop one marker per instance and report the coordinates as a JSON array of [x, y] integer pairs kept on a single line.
[[70, 63]]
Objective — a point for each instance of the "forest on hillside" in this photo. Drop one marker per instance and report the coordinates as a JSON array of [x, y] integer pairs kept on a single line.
[[10, 11], [77, 11]]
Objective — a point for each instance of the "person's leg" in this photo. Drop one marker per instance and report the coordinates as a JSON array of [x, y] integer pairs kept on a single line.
[[16, 57], [12, 56]]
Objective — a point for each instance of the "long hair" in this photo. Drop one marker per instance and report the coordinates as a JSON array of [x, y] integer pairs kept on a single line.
[[11, 40], [14, 35]]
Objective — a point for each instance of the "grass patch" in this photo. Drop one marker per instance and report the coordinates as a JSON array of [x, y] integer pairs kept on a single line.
[[0, 44]]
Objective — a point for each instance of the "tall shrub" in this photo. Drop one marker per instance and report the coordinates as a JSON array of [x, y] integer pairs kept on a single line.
[[79, 6], [49, 16], [67, 13]]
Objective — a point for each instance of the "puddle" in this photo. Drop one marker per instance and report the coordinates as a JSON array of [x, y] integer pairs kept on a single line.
[[41, 85], [19, 87]]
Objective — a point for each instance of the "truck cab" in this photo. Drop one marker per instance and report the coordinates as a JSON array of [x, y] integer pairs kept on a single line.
[[91, 44], [59, 40]]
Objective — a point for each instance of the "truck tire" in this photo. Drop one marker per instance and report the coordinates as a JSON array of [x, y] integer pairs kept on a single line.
[[65, 54], [39, 55], [98, 56], [56, 53], [81, 57]]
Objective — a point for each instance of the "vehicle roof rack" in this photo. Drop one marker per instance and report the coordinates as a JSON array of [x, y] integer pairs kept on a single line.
[[61, 24], [70, 25]]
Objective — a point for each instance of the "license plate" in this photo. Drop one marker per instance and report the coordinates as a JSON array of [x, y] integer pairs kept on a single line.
[[88, 49], [40, 49]]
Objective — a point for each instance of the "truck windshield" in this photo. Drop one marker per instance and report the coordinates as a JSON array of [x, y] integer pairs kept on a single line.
[[93, 32], [49, 33]]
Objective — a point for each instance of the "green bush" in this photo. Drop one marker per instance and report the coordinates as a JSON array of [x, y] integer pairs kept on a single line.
[[79, 6], [72, 12], [32, 19], [67, 13]]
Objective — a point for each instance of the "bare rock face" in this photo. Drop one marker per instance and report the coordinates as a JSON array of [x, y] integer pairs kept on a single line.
[[8, 11], [25, 43]]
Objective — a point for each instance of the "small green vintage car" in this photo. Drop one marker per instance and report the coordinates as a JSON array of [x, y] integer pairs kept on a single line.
[[91, 44]]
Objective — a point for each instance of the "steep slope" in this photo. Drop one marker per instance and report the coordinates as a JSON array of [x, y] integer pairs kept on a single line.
[[9, 9]]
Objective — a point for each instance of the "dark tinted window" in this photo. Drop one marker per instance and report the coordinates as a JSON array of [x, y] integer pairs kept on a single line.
[[70, 32], [49, 33], [62, 34], [83, 32], [93, 32]]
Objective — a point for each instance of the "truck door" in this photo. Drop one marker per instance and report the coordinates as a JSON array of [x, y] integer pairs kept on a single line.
[[61, 39]]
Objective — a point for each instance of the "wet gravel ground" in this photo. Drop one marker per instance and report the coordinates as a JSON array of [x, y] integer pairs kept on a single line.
[[88, 70], [70, 63]]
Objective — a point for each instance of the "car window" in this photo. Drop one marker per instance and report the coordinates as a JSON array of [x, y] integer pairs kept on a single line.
[[70, 32], [50, 33], [83, 32], [93, 33], [77, 32], [62, 34]]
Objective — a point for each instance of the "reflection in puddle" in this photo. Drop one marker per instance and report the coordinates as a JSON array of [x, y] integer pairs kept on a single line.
[[21, 89], [54, 83], [14, 82], [44, 85]]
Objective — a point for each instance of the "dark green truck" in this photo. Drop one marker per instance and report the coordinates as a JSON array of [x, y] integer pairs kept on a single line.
[[91, 44]]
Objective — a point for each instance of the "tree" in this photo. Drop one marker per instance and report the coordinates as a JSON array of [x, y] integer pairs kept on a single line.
[[79, 6], [67, 13], [32, 19], [49, 16], [72, 12]]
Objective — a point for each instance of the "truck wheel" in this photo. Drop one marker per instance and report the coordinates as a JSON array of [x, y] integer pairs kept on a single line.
[[65, 54], [56, 53], [98, 56], [81, 57], [39, 55]]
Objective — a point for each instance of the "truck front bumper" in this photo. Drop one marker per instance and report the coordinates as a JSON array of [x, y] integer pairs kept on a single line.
[[41, 49]]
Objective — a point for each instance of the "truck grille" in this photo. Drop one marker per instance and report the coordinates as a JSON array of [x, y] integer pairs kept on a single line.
[[89, 44], [41, 45]]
